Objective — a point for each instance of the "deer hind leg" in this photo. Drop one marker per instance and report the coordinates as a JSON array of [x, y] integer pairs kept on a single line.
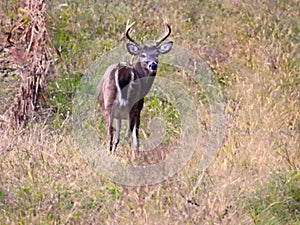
[[117, 134], [110, 131]]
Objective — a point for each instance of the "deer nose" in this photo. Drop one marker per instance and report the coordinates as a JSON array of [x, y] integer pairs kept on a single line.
[[153, 66]]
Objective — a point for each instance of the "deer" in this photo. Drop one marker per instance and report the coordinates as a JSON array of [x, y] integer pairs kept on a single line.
[[122, 88]]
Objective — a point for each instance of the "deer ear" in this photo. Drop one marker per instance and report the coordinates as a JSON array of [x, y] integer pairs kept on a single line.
[[165, 48], [132, 49]]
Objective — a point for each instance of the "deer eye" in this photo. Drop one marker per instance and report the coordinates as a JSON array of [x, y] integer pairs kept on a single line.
[[143, 55]]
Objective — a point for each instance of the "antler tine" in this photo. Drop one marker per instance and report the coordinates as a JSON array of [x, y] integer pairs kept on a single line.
[[128, 27], [165, 37]]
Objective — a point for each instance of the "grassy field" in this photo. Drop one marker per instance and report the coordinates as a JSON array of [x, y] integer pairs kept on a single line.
[[253, 49]]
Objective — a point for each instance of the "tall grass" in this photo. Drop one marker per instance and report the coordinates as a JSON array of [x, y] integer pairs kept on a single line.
[[253, 49]]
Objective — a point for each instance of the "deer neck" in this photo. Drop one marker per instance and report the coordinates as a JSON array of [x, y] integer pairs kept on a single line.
[[146, 78], [141, 72]]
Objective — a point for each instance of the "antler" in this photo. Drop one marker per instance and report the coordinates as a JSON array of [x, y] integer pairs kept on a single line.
[[128, 27], [165, 37]]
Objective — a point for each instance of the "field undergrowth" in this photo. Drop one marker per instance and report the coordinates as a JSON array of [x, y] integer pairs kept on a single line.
[[253, 49]]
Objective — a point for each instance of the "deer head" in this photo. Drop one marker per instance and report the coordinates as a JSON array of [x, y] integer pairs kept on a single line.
[[148, 55]]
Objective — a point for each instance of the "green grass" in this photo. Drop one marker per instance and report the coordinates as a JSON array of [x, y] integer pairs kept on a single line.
[[278, 202]]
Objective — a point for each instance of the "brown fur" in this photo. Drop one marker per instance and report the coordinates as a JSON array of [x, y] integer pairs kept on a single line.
[[123, 88]]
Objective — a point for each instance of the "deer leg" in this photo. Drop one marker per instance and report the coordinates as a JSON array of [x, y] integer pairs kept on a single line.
[[130, 129], [135, 133], [135, 124], [110, 130], [117, 133]]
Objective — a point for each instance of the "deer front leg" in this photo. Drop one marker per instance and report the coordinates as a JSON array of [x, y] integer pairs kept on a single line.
[[130, 129], [132, 133], [135, 133], [135, 138]]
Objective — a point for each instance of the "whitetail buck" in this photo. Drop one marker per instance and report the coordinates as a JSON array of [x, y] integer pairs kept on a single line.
[[123, 87]]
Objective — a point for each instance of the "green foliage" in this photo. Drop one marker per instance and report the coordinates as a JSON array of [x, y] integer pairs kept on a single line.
[[160, 107], [82, 31], [113, 191], [60, 94], [278, 202]]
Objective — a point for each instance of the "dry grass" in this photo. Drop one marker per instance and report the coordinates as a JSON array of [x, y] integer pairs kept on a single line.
[[253, 48]]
